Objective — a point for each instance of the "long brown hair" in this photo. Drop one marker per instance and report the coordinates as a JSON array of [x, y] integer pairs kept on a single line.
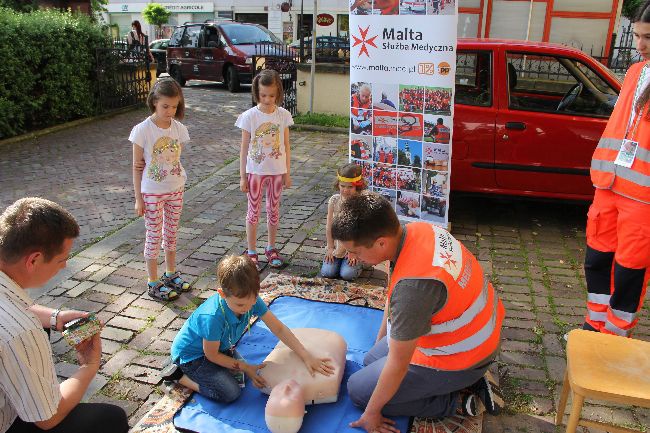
[[138, 28], [268, 77], [168, 87], [643, 16]]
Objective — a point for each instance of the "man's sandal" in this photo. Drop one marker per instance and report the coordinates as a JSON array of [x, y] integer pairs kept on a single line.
[[274, 258], [253, 258], [175, 282], [161, 292]]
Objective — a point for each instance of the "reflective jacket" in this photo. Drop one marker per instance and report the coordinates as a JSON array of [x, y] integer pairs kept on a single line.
[[633, 182], [467, 330]]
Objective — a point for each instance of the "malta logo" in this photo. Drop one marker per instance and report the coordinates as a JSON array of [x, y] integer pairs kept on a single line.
[[363, 41]]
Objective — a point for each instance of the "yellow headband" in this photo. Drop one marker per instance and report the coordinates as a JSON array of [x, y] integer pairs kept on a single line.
[[348, 179]]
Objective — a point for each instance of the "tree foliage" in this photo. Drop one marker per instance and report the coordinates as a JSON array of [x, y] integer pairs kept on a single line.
[[156, 14], [630, 7]]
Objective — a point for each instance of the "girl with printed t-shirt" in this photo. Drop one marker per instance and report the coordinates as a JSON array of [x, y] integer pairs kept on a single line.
[[265, 160]]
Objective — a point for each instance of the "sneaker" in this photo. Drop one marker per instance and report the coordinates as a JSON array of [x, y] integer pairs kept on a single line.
[[469, 405], [171, 373], [489, 393]]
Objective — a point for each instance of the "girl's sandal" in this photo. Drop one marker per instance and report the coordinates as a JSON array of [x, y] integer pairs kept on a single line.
[[274, 258], [253, 258], [161, 292], [175, 282]]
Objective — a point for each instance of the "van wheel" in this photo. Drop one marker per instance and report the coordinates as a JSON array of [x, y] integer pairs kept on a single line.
[[232, 79], [176, 74]]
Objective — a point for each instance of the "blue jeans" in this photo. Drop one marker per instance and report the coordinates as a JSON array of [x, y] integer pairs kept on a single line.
[[424, 392], [215, 382], [340, 268]]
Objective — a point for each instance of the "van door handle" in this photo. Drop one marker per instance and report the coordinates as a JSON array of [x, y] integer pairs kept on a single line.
[[517, 126]]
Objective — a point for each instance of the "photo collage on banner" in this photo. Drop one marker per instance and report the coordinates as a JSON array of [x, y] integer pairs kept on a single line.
[[402, 65]]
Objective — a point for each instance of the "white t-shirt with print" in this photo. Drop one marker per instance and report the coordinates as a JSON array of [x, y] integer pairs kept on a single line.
[[163, 172], [266, 153]]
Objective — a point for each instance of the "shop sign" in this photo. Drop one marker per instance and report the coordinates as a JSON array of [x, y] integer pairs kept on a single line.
[[186, 7], [324, 20]]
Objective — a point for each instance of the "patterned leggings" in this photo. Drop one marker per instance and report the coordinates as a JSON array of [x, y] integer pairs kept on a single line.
[[162, 213], [273, 184]]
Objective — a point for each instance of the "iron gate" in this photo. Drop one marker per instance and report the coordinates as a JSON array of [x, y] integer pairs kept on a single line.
[[284, 60], [123, 76], [625, 54]]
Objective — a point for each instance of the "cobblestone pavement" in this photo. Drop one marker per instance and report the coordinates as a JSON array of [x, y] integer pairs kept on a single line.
[[533, 252]]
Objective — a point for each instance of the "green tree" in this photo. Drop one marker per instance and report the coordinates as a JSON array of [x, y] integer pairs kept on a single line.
[[156, 14], [19, 5], [630, 7]]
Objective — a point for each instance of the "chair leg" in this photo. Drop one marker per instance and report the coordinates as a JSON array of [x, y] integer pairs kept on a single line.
[[563, 398], [577, 401]]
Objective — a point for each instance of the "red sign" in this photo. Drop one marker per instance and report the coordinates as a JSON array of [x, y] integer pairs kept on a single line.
[[324, 19]]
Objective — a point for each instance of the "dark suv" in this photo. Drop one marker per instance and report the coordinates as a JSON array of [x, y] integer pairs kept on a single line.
[[215, 51]]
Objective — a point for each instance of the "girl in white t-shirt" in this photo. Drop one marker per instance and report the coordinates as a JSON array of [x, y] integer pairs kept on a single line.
[[157, 145], [265, 160]]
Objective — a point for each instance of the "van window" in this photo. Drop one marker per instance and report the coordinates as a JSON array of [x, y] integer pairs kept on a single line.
[[191, 37], [240, 34], [175, 39], [474, 78]]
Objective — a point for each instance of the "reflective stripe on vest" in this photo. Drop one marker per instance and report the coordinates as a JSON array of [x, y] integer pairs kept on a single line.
[[465, 318], [616, 330], [624, 315], [631, 175], [469, 343], [597, 316]]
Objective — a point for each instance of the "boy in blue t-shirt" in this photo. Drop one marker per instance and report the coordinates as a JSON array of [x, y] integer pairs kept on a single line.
[[203, 352]]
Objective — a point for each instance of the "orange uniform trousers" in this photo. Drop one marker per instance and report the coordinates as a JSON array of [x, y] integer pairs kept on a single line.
[[617, 262]]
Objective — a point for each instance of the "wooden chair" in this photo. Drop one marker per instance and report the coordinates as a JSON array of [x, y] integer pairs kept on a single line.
[[604, 367]]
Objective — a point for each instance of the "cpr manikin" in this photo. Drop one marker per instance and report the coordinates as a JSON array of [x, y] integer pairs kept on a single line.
[[290, 385]]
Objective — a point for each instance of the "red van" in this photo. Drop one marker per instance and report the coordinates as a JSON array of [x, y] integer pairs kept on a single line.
[[527, 118], [215, 51]]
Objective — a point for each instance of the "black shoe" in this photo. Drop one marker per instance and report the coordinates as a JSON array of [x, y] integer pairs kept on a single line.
[[171, 373], [489, 393], [469, 405]]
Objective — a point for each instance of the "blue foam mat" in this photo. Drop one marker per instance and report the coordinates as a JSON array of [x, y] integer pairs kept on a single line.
[[357, 325]]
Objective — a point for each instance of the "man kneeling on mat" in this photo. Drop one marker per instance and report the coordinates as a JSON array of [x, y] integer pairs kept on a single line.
[[442, 320], [203, 353]]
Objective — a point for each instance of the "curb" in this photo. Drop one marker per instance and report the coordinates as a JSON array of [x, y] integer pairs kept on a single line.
[[317, 128], [63, 126]]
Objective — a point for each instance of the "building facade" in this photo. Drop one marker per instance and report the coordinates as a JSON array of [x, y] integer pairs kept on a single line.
[[585, 24]]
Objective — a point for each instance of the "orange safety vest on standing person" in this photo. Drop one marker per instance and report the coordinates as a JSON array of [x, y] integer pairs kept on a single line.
[[467, 330], [633, 182]]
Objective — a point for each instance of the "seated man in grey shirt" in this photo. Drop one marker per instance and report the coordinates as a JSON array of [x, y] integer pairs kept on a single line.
[[442, 321]]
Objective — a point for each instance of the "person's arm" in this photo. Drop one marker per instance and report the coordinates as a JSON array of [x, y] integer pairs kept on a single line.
[[44, 315], [390, 378], [138, 158], [243, 156], [280, 330], [287, 154], [329, 252], [211, 350], [382, 328], [73, 389]]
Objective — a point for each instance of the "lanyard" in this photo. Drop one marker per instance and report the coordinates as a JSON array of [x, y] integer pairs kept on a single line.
[[227, 325], [635, 117]]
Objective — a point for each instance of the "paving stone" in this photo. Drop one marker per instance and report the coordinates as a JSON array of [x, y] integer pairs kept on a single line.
[[141, 374], [118, 361], [78, 289], [102, 273], [65, 370], [145, 338], [109, 289], [115, 334], [110, 347], [127, 323], [129, 390]]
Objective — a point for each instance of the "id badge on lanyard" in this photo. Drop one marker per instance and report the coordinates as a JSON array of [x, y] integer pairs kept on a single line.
[[627, 153]]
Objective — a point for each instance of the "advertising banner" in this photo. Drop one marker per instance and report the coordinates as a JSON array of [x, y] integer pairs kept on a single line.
[[402, 68]]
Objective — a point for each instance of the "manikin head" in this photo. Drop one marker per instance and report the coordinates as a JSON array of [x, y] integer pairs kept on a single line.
[[286, 407]]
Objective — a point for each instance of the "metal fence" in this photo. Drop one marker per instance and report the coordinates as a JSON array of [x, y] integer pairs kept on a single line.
[[624, 54], [284, 60], [329, 49], [123, 75]]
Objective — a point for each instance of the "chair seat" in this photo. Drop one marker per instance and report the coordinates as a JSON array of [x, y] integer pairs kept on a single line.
[[609, 367]]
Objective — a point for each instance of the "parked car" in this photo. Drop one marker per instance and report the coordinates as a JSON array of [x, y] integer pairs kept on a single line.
[[216, 51], [158, 50], [326, 46], [527, 118]]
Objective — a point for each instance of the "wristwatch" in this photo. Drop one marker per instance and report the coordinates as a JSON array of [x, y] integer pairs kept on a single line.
[[53, 317]]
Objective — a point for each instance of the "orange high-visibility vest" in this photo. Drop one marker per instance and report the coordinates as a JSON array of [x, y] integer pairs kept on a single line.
[[633, 182], [467, 330]]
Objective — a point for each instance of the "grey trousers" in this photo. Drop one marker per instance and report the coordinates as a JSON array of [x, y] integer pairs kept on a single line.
[[424, 392]]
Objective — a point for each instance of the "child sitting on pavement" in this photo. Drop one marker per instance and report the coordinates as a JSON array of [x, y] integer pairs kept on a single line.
[[337, 264], [203, 353]]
